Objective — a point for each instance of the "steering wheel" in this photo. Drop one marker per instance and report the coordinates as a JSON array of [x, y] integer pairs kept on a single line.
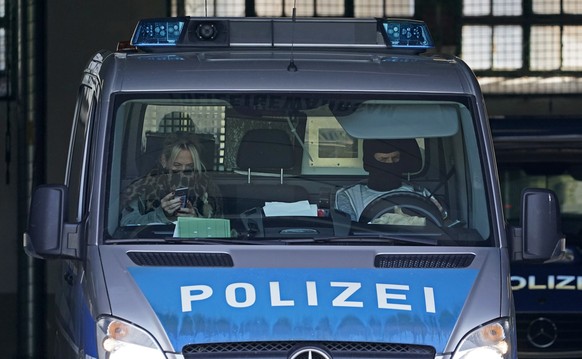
[[410, 203]]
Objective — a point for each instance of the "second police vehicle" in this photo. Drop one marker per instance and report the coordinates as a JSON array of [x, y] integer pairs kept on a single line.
[[547, 153], [272, 267]]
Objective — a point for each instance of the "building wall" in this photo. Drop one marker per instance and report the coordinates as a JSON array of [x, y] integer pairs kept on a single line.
[[75, 30], [535, 106], [9, 240]]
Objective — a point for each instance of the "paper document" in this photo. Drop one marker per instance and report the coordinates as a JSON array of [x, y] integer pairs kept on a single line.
[[300, 208]]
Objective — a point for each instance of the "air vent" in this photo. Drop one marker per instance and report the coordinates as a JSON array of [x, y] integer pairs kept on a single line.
[[181, 259], [423, 260]]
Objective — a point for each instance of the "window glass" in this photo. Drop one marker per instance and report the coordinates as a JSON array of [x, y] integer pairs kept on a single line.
[[476, 49], [515, 179], [507, 7], [485, 47], [302, 8], [268, 8], [506, 40], [551, 47], [572, 7], [545, 45], [476, 7], [572, 48], [546, 7], [2, 49], [234, 8], [330, 8], [238, 155], [404, 8]]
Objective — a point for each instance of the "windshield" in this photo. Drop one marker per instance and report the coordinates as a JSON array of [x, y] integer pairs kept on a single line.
[[296, 169], [563, 178]]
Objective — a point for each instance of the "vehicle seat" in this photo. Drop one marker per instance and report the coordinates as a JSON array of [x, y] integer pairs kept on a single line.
[[264, 150], [171, 123], [264, 154], [176, 121]]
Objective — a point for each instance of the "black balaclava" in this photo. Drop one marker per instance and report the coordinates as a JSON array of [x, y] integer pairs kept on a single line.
[[388, 176]]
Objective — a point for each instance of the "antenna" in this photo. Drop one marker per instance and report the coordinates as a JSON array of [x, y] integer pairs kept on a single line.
[[292, 67], [206, 8]]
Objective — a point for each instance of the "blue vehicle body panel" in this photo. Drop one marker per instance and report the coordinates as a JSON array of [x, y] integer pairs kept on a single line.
[[197, 305]]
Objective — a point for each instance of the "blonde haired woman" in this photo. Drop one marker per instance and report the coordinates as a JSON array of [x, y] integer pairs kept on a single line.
[[152, 199]]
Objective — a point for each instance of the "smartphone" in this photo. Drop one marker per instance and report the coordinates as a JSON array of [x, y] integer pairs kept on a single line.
[[182, 193]]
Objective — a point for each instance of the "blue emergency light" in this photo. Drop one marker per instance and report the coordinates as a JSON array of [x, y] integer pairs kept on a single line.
[[407, 34], [197, 32], [158, 32]]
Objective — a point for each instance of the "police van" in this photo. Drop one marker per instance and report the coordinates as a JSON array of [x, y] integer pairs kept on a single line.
[[545, 152], [202, 212]]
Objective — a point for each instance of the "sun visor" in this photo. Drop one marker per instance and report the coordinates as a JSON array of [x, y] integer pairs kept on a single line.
[[381, 120]]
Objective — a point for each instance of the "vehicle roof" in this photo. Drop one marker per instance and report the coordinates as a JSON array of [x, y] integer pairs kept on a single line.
[[267, 70], [537, 139], [536, 128]]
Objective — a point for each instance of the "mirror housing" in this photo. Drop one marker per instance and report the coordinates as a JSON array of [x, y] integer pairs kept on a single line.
[[539, 239], [48, 235]]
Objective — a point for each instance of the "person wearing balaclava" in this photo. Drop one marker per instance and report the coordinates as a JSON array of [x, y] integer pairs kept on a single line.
[[152, 199], [386, 161]]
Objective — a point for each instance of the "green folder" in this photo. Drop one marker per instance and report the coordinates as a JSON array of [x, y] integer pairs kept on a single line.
[[193, 227]]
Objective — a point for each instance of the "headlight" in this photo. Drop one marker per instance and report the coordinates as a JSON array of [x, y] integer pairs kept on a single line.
[[490, 341], [117, 339]]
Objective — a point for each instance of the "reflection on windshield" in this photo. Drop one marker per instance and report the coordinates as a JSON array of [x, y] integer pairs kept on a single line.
[[514, 180], [301, 169]]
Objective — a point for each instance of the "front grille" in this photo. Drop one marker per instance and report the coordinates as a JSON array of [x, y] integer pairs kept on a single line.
[[279, 349], [423, 260], [549, 333]]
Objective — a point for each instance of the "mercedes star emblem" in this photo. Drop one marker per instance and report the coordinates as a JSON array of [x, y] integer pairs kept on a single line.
[[310, 353], [542, 332]]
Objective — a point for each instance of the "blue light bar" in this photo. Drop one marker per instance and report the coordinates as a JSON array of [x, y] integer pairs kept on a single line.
[[158, 32], [407, 34], [196, 32]]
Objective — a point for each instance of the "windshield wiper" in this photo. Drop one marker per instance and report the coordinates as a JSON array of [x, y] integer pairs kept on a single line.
[[360, 239], [177, 240], [364, 238], [206, 240]]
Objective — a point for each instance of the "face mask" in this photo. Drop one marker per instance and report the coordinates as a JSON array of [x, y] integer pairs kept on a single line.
[[179, 179], [388, 176]]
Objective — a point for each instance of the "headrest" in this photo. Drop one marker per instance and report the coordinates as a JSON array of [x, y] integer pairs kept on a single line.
[[265, 149], [176, 122]]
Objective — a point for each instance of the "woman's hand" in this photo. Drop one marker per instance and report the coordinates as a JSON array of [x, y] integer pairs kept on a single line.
[[187, 211], [170, 204]]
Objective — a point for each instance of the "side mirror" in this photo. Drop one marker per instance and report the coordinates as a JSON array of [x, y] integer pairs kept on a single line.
[[539, 239], [48, 235]]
